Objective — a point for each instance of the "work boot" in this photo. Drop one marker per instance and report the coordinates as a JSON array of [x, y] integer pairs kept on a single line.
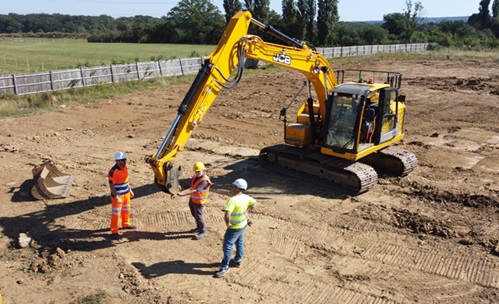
[[130, 227], [221, 273], [233, 263], [114, 237], [200, 236]]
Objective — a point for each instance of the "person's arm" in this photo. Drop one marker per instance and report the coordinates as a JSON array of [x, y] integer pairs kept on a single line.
[[186, 192], [251, 204], [227, 218], [113, 192], [190, 191]]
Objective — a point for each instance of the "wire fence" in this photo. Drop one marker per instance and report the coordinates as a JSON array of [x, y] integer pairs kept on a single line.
[[24, 84]]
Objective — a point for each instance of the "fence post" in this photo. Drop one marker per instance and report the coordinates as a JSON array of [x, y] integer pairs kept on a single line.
[[138, 71], [181, 68], [112, 74], [82, 76], [160, 69], [15, 83], [51, 81]]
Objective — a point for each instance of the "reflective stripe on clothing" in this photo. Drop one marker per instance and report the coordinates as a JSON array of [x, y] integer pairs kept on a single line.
[[237, 206], [201, 195], [122, 188], [120, 211], [237, 218], [119, 178]]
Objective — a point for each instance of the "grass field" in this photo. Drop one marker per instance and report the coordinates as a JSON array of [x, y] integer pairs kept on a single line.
[[25, 55]]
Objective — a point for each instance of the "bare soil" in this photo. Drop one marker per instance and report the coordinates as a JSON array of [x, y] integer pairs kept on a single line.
[[430, 237]]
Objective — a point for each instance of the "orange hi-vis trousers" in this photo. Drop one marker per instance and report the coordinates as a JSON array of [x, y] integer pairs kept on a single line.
[[120, 210]]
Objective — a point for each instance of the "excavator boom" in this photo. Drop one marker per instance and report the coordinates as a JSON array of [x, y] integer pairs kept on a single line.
[[233, 47]]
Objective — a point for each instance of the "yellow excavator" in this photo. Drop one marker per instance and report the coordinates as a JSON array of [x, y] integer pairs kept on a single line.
[[344, 132]]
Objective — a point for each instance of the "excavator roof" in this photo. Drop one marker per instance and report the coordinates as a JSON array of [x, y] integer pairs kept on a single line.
[[352, 88], [356, 88]]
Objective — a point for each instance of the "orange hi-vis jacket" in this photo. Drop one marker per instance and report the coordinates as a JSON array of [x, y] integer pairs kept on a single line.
[[119, 178], [200, 196]]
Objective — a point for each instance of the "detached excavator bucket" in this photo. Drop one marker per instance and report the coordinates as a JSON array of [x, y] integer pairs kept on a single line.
[[50, 182]]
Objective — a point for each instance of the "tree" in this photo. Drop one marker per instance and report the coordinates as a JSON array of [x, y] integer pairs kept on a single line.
[[290, 14], [301, 20], [495, 18], [327, 20], [395, 23], [359, 33], [9, 24], [310, 12], [261, 10], [495, 9], [482, 20], [231, 7], [403, 26], [413, 18], [198, 21], [293, 12]]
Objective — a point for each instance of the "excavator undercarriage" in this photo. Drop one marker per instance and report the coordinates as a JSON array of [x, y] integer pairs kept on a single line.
[[357, 177]]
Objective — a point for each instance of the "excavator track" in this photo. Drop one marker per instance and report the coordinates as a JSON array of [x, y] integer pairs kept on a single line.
[[355, 176], [393, 160]]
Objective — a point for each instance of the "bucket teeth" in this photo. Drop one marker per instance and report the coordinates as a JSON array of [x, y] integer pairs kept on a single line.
[[50, 182]]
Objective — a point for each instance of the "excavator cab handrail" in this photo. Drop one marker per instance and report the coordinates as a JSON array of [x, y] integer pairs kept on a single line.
[[394, 79]]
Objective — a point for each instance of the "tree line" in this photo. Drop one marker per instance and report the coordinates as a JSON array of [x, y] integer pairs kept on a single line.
[[314, 21]]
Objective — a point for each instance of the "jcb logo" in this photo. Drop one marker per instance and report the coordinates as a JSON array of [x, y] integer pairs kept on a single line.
[[282, 58]]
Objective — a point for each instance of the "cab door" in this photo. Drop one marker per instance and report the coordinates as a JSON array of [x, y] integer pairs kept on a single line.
[[386, 121]]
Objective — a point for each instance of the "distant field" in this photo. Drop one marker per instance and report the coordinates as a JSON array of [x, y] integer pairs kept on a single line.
[[23, 55]]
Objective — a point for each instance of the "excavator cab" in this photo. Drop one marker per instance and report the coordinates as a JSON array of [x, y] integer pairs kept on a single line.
[[363, 117], [344, 112]]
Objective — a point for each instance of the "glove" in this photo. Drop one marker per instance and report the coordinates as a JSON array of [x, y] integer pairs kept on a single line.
[[118, 199]]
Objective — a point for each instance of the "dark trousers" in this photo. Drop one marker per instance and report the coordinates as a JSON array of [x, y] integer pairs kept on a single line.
[[197, 213]]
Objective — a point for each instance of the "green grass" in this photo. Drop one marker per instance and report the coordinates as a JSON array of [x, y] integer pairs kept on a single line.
[[17, 106], [71, 53], [26, 55]]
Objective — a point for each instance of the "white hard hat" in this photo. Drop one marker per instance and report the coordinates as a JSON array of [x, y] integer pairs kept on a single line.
[[240, 184], [119, 155]]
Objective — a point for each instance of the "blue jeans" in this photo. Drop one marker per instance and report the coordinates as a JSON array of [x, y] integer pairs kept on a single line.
[[231, 237]]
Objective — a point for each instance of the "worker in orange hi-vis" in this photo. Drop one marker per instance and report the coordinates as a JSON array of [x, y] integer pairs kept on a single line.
[[198, 191], [121, 193]]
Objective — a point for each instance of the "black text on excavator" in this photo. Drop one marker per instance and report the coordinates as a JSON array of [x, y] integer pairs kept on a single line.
[[342, 133]]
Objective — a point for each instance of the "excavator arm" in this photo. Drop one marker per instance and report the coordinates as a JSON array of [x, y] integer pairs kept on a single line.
[[214, 75]]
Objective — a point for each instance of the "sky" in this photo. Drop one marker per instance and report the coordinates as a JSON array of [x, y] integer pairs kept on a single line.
[[349, 10]]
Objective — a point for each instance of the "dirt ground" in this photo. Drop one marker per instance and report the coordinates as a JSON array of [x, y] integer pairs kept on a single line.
[[430, 237]]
